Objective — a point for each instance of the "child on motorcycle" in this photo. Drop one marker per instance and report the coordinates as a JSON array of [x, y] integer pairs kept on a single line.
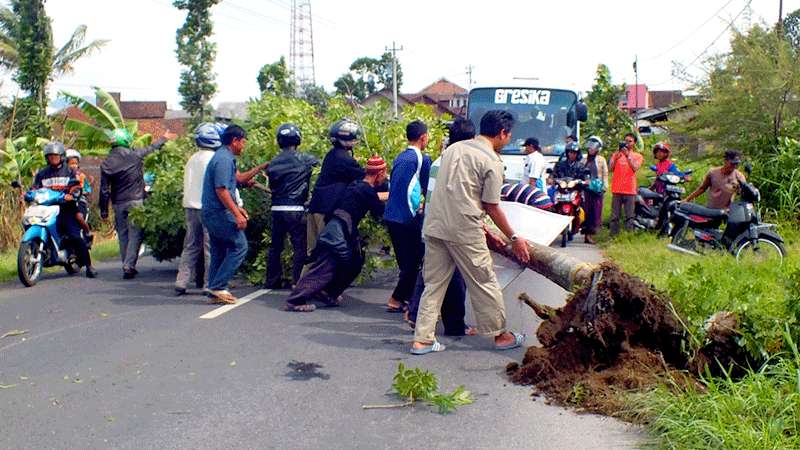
[[73, 162], [661, 153]]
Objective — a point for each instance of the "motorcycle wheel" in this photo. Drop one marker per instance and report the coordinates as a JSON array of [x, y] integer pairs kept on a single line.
[[29, 263], [766, 249]]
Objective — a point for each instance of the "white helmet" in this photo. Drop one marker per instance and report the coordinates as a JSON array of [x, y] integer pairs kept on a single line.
[[72, 153], [595, 142]]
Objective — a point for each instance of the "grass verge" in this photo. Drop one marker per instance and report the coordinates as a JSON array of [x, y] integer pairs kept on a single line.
[[102, 250]]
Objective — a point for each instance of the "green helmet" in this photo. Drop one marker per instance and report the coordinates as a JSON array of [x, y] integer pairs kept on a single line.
[[120, 137]]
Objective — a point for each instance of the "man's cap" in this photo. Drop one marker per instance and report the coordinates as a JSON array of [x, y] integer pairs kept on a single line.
[[375, 164], [532, 141]]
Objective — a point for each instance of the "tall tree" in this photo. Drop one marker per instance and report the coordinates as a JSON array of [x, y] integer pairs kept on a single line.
[[605, 118], [791, 29], [27, 50], [196, 53], [276, 79], [368, 75]]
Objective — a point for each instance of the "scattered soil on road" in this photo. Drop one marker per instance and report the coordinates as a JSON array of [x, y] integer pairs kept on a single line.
[[618, 334]]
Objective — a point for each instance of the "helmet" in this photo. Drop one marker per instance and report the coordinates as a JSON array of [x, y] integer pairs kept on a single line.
[[594, 142], [54, 148], [662, 146], [72, 153], [572, 147], [209, 135], [288, 135], [120, 137], [344, 133]]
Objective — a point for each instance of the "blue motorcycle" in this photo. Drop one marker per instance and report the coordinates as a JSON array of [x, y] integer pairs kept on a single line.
[[42, 245]]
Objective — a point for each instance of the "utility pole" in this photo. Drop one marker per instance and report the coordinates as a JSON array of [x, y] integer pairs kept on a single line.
[[636, 83], [469, 73], [780, 17], [394, 51]]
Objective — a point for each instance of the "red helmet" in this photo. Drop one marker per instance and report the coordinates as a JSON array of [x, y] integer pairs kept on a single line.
[[662, 146]]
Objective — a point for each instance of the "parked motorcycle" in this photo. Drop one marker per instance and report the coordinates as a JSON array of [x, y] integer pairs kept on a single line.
[[42, 245], [653, 210], [567, 201], [738, 230]]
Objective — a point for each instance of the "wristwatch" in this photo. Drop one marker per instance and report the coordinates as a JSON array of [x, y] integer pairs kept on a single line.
[[514, 237]]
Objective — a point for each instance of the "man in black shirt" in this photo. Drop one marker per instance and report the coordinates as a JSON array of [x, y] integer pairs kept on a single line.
[[289, 176], [337, 257]]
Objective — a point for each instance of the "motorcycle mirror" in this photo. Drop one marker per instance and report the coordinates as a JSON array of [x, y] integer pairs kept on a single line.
[[582, 112], [15, 184], [688, 171]]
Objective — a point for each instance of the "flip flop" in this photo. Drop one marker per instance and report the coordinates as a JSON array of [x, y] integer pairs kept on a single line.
[[435, 347], [395, 309], [300, 308], [518, 340]]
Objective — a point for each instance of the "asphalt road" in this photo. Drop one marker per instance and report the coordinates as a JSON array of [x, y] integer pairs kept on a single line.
[[109, 363]]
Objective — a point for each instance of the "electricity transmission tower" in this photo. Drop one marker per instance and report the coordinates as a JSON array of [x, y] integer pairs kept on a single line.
[[301, 43]]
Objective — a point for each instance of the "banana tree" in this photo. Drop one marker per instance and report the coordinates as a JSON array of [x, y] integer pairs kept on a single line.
[[105, 117], [20, 158]]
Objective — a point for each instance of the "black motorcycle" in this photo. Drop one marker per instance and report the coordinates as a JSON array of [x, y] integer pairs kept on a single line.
[[696, 228], [653, 210]]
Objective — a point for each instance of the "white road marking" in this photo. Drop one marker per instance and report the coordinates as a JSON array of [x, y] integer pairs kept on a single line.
[[223, 309]]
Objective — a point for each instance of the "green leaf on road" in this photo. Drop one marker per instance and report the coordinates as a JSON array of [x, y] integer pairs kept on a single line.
[[7, 386], [232, 363]]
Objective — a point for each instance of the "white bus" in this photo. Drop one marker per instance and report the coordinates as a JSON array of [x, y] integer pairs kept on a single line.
[[548, 114]]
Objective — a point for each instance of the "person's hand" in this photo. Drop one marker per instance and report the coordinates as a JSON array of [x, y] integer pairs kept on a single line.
[[170, 135], [493, 240], [520, 249], [69, 197], [241, 221], [243, 212], [248, 183], [383, 196], [264, 166]]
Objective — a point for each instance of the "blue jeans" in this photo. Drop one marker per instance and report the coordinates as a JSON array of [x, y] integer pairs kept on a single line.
[[228, 247]]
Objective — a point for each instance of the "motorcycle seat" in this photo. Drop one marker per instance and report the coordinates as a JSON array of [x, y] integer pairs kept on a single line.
[[702, 211], [647, 194]]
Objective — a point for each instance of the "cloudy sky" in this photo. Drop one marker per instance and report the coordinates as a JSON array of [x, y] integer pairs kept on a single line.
[[558, 42]]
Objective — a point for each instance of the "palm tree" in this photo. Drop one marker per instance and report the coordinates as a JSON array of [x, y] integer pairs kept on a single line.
[[105, 117], [63, 60]]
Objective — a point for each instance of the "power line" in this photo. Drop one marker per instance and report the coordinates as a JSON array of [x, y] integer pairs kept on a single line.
[[682, 41], [727, 27]]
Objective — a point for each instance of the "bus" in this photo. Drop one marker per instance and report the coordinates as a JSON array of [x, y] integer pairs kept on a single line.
[[547, 114]]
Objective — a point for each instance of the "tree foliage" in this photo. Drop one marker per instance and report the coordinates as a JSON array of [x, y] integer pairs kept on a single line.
[[791, 29], [368, 75], [196, 53], [606, 119], [276, 79], [750, 94]]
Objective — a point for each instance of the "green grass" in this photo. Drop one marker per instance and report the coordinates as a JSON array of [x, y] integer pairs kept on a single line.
[[100, 251]]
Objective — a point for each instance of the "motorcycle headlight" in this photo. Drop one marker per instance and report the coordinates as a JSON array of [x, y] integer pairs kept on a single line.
[[562, 184], [572, 184], [674, 179]]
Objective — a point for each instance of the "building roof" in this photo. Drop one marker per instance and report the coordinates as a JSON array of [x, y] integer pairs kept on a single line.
[[443, 87], [661, 99], [143, 110]]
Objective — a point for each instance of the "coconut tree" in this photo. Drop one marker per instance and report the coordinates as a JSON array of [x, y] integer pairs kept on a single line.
[[105, 117]]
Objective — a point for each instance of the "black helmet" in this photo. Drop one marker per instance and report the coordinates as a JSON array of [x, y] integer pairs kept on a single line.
[[288, 135], [344, 133], [54, 148], [572, 147]]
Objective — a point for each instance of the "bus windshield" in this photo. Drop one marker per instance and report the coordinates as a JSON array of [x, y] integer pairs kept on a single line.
[[539, 113]]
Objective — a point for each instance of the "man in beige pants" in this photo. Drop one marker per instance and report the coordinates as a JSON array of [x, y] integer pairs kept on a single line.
[[467, 186]]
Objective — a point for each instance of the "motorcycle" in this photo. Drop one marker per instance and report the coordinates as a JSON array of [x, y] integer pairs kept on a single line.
[[653, 210], [42, 245], [696, 228], [567, 201]]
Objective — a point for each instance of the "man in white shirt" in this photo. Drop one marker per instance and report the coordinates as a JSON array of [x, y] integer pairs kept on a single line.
[[207, 138], [534, 163]]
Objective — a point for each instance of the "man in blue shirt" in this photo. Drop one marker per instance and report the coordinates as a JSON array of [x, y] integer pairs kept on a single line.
[[222, 214], [403, 215]]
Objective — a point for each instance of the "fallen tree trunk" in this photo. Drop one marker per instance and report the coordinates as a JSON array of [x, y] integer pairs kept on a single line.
[[615, 333], [558, 267]]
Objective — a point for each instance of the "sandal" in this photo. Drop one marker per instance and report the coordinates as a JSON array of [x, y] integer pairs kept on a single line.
[[410, 322], [329, 301], [300, 308], [435, 347], [518, 340]]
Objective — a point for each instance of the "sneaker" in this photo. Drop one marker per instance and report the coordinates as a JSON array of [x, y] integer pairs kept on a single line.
[[179, 291], [128, 274], [90, 272], [223, 296]]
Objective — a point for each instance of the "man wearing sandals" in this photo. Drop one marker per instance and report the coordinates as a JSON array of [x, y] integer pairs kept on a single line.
[[337, 257], [469, 181]]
